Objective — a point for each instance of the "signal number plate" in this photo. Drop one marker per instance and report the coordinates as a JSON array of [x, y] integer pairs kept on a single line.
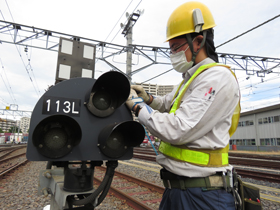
[[55, 105]]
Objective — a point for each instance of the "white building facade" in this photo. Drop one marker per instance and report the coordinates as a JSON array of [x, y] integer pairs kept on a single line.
[[258, 130], [24, 124], [157, 90]]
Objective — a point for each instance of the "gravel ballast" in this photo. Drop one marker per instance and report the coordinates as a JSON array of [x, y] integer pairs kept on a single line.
[[18, 189]]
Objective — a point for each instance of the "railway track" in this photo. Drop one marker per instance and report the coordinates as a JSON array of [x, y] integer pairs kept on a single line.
[[12, 159], [247, 161], [137, 193], [265, 161], [10, 168], [270, 177], [126, 182]]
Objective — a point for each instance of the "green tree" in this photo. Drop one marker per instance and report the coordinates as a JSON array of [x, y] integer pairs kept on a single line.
[[14, 129], [1, 131]]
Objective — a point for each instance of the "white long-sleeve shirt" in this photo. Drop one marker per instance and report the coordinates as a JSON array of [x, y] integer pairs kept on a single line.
[[201, 122]]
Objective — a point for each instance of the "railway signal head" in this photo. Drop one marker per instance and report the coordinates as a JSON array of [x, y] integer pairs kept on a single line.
[[84, 119]]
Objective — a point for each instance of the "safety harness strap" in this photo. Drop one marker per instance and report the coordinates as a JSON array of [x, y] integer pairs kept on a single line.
[[236, 114], [207, 158]]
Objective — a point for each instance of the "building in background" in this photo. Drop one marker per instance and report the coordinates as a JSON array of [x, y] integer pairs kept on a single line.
[[258, 130], [6, 124], [157, 90], [24, 124], [15, 137], [150, 88], [164, 89]]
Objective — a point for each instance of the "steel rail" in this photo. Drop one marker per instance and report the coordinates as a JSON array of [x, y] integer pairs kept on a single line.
[[243, 173], [6, 154], [259, 175], [12, 167], [9, 158], [143, 183], [129, 200], [132, 202]]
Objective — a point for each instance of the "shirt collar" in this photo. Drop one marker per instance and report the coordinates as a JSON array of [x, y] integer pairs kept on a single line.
[[192, 70]]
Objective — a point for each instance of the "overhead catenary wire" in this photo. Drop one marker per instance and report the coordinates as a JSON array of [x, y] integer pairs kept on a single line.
[[126, 20], [3, 101], [117, 23], [255, 93], [230, 40], [157, 76], [8, 86], [271, 97], [9, 10], [252, 85], [259, 105], [107, 51], [25, 66], [115, 26], [249, 30]]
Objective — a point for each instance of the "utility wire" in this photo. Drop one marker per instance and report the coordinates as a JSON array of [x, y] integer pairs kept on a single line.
[[38, 92], [157, 76], [117, 23], [114, 28], [9, 10], [28, 58], [252, 85], [259, 104], [118, 20], [248, 31], [3, 102], [126, 20], [255, 93], [8, 86], [229, 40]]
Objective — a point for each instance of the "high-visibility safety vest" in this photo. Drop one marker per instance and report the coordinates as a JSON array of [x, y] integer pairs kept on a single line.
[[201, 157]]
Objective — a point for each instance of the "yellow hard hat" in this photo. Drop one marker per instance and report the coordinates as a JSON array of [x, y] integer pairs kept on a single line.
[[187, 17]]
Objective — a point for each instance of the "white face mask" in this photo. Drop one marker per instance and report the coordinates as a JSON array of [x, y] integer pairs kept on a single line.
[[179, 61]]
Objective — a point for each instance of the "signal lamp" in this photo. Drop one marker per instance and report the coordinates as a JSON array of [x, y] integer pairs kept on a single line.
[[55, 136], [84, 119], [114, 140], [108, 93]]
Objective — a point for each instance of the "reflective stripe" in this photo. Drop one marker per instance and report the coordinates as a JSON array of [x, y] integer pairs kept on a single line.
[[202, 157], [235, 119], [186, 155], [206, 158], [224, 158]]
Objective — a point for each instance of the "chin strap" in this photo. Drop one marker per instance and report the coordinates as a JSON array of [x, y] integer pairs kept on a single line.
[[189, 39]]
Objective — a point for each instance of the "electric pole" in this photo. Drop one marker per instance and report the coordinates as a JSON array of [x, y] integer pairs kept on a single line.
[[127, 31]]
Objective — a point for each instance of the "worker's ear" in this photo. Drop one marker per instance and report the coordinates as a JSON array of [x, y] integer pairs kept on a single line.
[[197, 42]]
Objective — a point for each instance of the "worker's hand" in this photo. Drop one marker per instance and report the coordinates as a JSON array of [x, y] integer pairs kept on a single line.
[[133, 100], [142, 93]]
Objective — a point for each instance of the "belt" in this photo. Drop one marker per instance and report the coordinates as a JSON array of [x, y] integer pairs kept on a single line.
[[213, 182]]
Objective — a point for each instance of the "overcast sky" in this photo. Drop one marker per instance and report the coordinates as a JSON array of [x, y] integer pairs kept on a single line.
[[96, 20]]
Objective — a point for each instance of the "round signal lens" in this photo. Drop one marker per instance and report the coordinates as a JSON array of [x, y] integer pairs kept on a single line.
[[55, 138], [101, 100]]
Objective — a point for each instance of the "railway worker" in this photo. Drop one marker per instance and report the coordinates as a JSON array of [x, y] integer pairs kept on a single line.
[[194, 121]]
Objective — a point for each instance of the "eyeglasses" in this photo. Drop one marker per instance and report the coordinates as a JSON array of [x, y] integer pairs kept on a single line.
[[176, 48]]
